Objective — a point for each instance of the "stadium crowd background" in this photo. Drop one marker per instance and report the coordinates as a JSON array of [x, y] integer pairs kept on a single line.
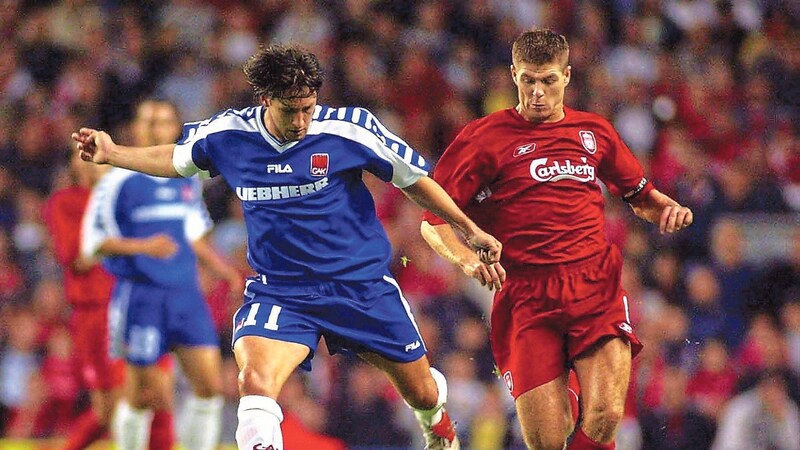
[[704, 92]]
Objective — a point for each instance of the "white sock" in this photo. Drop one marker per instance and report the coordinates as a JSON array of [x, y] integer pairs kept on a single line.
[[131, 427], [259, 423], [201, 422], [429, 417]]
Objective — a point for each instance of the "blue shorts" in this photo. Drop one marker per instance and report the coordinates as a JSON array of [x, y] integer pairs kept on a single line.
[[354, 317], [146, 321]]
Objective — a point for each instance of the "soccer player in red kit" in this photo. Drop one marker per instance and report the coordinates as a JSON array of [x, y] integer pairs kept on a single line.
[[529, 176], [88, 290]]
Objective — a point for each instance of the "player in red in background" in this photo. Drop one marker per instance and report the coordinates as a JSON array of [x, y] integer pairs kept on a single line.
[[529, 176], [88, 290]]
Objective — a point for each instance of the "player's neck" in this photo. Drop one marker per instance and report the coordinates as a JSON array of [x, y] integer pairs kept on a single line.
[[557, 116]]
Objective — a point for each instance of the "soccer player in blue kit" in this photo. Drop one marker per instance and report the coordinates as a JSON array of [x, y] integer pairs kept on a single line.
[[313, 237], [149, 232]]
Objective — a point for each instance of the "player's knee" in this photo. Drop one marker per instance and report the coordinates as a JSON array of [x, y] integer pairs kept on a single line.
[[423, 395], [545, 439], [601, 422], [257, 382], [553, 436]]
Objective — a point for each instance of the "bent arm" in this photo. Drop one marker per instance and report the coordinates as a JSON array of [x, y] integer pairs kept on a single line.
[[428, 194], [444, 241], [658, 208]]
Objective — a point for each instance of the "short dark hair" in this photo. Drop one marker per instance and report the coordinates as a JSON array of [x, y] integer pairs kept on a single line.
[[282, 72], [540, 46]]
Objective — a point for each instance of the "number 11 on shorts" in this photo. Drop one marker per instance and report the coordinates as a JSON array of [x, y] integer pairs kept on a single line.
[[272, 321]]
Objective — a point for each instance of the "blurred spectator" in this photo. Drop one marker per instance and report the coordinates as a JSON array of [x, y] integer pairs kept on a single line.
[[761, 418], [790, 319], [19, 363], [735, 277], [675, 423]]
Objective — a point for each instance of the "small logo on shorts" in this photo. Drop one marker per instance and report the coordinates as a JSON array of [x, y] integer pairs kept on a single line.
[[412, 346], [509, 380], [261, 447], [624, 326]]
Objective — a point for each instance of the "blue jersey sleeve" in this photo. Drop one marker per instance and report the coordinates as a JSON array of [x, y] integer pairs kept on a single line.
[[191, 156]]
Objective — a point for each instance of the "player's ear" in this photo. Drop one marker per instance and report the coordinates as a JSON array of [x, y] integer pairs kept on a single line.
[[266, 101], [513, 73], [567, 74]]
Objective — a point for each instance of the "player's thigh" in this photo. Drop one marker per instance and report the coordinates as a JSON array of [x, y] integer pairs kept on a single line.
[[603, 374], [202, 366], [265, 364], [412, 379], [544, 414]]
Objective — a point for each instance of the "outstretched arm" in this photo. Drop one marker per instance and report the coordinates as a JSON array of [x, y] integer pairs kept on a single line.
[[98, 147], [444, 241], [658, 208], [428, 194]]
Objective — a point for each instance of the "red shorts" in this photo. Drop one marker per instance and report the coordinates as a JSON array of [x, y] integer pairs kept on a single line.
[[546, 316], [90, 340]]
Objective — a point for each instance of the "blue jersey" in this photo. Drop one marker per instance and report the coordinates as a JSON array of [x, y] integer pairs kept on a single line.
[[307, 211], [127, 204]]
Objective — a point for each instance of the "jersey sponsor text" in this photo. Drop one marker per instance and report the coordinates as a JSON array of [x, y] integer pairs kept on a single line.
[[251, 194], [558, 170]]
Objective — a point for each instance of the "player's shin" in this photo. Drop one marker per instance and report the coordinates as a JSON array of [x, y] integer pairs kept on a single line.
[[259, 424], [439, 431], [131, 427], [201, 423]]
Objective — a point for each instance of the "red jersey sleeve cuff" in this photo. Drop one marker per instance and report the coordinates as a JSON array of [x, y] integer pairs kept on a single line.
[[640, 191], [432, 218]]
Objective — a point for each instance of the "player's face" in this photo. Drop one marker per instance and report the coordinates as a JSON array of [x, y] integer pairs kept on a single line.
[[289, 119], [166, 128], [141, 127], [540, 89]]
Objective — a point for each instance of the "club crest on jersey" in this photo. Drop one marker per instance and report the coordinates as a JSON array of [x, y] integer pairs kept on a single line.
[[319, 164], [524, 149], [588, 141]]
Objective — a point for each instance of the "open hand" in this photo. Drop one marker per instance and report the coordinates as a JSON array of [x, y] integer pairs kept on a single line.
[[93, 145]]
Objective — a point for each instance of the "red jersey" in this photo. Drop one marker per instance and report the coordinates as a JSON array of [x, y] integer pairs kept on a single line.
[[534, 186], [63, 214]]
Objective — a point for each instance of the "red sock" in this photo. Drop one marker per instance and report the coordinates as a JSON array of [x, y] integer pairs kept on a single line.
[[85, 430], [582, 442], [162, 430]]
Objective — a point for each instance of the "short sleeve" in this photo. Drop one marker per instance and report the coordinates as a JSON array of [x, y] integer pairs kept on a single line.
[[621, 171], [463, 171], [198, 221], [406, 166], [190, 156]]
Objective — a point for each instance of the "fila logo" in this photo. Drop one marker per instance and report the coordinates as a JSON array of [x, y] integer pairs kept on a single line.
[[279, 168], [412, 346], [523, 149], [319, 164], [588, 141]]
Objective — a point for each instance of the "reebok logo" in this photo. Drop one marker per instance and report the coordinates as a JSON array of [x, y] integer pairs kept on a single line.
[[524, 149], [561, 170]]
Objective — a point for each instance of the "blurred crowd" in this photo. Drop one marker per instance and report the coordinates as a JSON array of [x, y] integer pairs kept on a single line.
[[704, 92]]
